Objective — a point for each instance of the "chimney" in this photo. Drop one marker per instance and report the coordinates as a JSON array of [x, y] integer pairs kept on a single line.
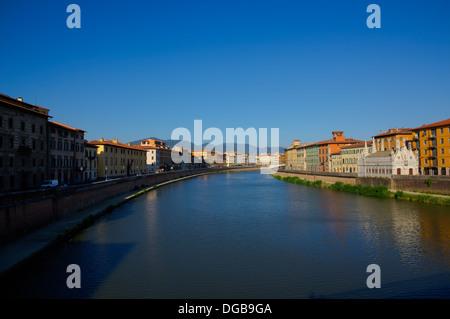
[[115, 141], [19, 99]]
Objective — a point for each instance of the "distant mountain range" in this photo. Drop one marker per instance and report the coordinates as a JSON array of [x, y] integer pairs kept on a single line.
[[172, 143]]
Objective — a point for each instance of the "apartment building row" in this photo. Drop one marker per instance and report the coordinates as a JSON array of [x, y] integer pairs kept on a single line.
[[423, 150], [34, 148]]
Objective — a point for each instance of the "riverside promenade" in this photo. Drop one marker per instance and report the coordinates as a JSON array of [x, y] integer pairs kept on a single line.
[[18, 252]]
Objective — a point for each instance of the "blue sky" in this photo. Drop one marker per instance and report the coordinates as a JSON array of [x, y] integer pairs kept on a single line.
[[143, 68]]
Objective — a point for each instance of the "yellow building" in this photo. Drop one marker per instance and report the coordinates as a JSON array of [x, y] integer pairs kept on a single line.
[[386, 141], [433, 143], [117, 159], [350, 155], [336, 162]]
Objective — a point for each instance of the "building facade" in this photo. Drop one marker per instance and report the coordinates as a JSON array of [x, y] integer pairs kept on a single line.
[[67, 156], [312, 157], [117, 159], [350, 155], [432, 143], [23, 145], [90, 162], [389, 163], [291, 159], [389, 139], [336, 162], [164, 153], [326, 148]]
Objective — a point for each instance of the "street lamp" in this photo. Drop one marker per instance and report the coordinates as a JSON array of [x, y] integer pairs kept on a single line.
[[82, 176]]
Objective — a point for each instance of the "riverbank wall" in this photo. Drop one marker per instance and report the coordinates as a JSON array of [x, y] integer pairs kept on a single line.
[[23, 213], [418, 184], [327, 177]]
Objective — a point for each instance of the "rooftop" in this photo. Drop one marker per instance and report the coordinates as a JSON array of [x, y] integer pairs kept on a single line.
[[435, 124], [369, 143], [116, 143], [65, 126], [394, 131], [23, 105]]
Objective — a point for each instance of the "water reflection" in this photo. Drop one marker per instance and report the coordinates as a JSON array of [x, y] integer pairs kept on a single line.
[[247, 235]]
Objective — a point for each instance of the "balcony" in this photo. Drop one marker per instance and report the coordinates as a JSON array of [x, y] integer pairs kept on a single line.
[[416, 137]]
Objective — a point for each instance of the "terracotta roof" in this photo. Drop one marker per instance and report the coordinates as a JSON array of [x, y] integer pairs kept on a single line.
[[65, 126], [333, 141], [395, 131], [117, 144], [357, 145], [89, 144], [435, 124], [23, 105]]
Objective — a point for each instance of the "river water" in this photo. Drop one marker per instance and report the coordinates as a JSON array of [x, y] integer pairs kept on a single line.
[[248, 235]]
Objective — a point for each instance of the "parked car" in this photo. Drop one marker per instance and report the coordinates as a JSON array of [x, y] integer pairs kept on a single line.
[[50, 183]]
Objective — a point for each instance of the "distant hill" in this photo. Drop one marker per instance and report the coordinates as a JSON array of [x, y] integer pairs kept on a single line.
[[172, 143]]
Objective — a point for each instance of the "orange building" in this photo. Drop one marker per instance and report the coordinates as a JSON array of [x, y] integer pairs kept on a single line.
[[332, 146], [432, 141], [386, 141]]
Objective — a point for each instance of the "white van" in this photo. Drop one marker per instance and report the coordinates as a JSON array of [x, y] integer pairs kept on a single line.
[[50, 183]]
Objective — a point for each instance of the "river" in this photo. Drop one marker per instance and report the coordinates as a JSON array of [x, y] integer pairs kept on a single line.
[[248, 235]]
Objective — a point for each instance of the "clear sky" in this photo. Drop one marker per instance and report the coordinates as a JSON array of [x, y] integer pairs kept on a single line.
[[143, 68]]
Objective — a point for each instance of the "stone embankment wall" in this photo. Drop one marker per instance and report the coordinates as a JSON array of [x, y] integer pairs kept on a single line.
[[432, 184], [346, 178]]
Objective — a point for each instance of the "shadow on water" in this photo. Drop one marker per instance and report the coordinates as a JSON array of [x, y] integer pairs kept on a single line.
[[96, 261]]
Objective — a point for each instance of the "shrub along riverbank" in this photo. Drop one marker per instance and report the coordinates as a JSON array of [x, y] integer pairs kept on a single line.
[[378, 191]]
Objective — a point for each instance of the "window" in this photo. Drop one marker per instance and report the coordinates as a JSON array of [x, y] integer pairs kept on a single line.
[[425, 142], [442, 151], [10, 123], [442, 161], [442, 130], [22, 126], [442, 141], [41, 129], [426, 161]]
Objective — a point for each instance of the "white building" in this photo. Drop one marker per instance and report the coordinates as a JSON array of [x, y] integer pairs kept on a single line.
[[400, 161], [152, 159]]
